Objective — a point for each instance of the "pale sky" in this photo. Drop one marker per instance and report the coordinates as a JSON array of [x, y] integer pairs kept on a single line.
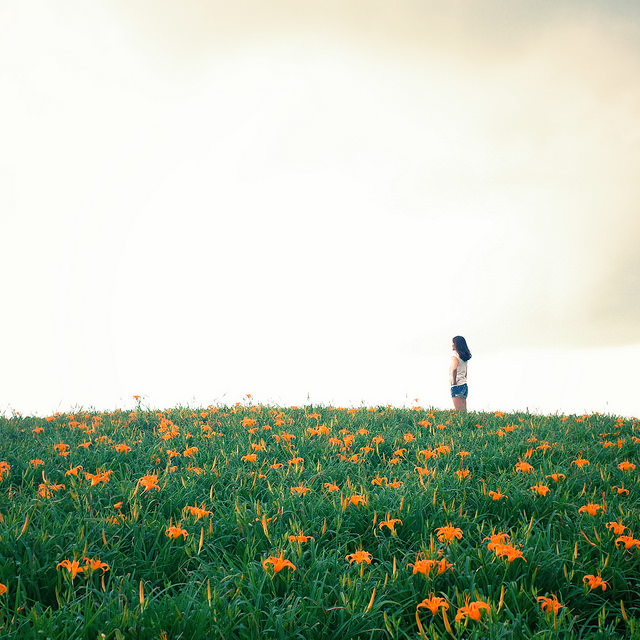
[[305, 201]]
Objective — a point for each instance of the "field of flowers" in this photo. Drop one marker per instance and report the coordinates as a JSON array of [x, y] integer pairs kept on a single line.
[[318, 522]]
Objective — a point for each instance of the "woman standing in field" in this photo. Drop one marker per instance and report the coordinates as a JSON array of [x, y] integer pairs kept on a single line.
[[458, 373]]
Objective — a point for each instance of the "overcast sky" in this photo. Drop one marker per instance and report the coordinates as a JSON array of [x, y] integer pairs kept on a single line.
[[305, 201]]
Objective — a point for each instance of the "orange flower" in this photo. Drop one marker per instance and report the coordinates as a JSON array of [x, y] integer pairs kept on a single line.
[[509, 552], [628, 541], [541, 489], [422, 566], [73, 471], [61, 448], [472, 610], [434, 604], [330, 486], [93, 564], [496, 495], [3, 589], [250, 457], [380, 480], [497, 539], [580, 462], [296, 461], [591, 508], [300, 490], [620, 490], [462, 473], [46, 489], [72, 566], [390, 524], [149, 481], [102, 476], [122, 448], [550, 604], [524, 467], [278, 563], [300, 538], [626, 466], [556, 477], [448, 533], [594, 582], [616, 527], [198, 512], [36, 462], [359, 556], [396, 484], [175, 532], [356, 499]]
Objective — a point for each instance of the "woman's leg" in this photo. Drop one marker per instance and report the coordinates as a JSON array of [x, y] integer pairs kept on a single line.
[[460, 404]]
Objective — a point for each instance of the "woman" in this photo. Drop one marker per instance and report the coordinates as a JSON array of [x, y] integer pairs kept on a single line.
[[458, 373]]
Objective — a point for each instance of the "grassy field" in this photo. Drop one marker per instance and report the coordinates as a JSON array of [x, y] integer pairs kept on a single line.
[[318, 522]]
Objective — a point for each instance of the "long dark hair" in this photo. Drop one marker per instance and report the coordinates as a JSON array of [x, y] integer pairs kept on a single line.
[[461, 347]]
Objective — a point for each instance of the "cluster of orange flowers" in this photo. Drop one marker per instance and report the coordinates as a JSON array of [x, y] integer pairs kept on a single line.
[[90, 565]]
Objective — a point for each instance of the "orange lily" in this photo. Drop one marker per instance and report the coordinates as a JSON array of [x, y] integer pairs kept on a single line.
[[359, 556], [390, 524], [472, 610], [626, 466], [448, 533], [175, 532], [616, 527], [278, 563], [434, 604], [72, 566], [580, 462], [594, 582], [591, 508], [149, 481], [549, 604], [628, 541], [541, 489]]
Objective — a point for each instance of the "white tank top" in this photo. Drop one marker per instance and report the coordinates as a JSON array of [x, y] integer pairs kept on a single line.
[[461, 373]]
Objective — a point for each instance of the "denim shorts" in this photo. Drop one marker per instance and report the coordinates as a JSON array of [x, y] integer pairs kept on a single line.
[[460, 391]]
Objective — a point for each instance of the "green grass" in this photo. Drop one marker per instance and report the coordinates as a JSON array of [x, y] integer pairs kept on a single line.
[[211, 580]]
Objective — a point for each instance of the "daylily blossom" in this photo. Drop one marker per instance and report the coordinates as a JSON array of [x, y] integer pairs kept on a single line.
[[472, 610], [72, 566], [330, 486], [448, 533], [198, 512], [3, 589], [496, 495], [359, 556], [523, 467], [616, 527], [580, 462], [300, 538], [175, 532], [390, 524], [628, 541], [93, 564], [278, 563], [434, 604], [626, 466], [541, 489], [556, 477], [497, 539], [149, 481], [550, 605], [591, 508], [594, 582]]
